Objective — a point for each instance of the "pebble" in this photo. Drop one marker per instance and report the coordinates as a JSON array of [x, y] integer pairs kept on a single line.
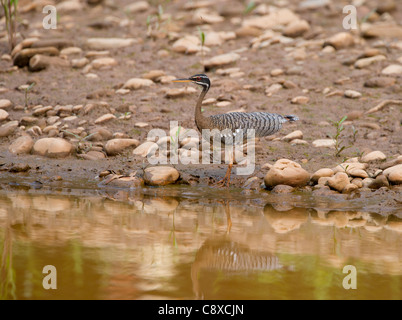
[[137, 6], [296, 28], [365, 62], [347, 166], [286, 172], [188, 44], [8, 128], [3, 115], [109, 43], [324, 143], [339, 181], [352, 94], [137, 83], [102, 63], [52, 147], [324, 172], [105, 118], [341, 40], [379, 82], [160, 175], [293, 135], [22, 145], [145, 149], [392, 69], [394, 174], [5, 104], [300, 100], [373, 156], [179, 92], [222, 59], [116, 146], [69, 6]]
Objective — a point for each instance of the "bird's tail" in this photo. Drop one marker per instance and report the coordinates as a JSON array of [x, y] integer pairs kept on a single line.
[[291, 118]]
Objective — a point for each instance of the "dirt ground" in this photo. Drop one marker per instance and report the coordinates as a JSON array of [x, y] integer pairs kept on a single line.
[[311, 74]]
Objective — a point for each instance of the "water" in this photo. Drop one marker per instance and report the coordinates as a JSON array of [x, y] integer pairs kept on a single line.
[[181, 243]]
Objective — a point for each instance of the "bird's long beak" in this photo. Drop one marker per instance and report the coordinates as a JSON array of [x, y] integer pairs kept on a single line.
[[181, 80]]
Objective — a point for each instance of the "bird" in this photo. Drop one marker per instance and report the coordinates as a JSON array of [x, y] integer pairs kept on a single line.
[[234, 123]]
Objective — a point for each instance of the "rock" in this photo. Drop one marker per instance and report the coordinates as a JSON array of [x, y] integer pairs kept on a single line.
[[79, 63], [105, 118], [286, 172], [154, 75], [280, 188], [339, 181], [357, 173], [373, 156], [365, 62], [8, 128], [99, 134], [386, 6], [222, 59], [69, 6], [314, 4], [213, 39], [293, 135], [354, 115], [300, 100], [92, 155], [102, 63], [39, 62], [352, 94], [21, 145], [69, 51], [3, 115], [394, 174], [347, 166], [109, 43], [324, 143], [138, 6], [384, 30], [281, 16], [53, 147], [137, 83], [179, 92], [392, 69], [273, 88], [201, 17], [145, 149], [116, 146], [341, 40], [324, 172], [5, 104], [188, 44], [379, 182], [296, 28], [160, 175], [21, 59], [379, 82]]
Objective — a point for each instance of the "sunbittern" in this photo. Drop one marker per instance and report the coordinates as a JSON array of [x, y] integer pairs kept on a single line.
[[234, 123]]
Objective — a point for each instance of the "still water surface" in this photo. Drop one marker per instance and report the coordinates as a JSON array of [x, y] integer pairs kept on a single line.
[[174, 244]]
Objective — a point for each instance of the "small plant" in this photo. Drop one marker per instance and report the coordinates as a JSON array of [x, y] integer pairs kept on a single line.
[[337, 137], [82, 146], [155, 22], [27, 89], [202, 40], [10, 13], [250, 7]]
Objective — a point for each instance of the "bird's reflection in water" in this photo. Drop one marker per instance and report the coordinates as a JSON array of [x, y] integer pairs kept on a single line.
[[229, 257]]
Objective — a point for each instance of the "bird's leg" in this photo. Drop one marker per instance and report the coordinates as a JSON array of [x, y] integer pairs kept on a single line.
[[226, 179], [228, 218]]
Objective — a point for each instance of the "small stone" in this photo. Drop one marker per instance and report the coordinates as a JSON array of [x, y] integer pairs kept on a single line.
[[3, 115], [352, 94], [145, 149], [103, 63], [339, 181], [379, 182], [392, 69], [347, 166], [109, 43], [341, 40], [373, 156], [281, 188], [5, 104], [350, 187], [116, 146], [188, 44], [137, 83], [8, 128], [222, 59], [324, 172], [79, 63], [137, 6], [141, 124], [21, 145], [105, 118], [293, 135], [286, 172], [92, 155], [99, 134], [357, 173], [277, 72], [380, 82], [296, 28], [365, 62], [160, 175], [69, 6], [300, 100], [394, 174], [324, 143], [53, 147]]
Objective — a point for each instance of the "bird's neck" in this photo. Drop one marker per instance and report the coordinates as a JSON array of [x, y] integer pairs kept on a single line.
[[201, 121]]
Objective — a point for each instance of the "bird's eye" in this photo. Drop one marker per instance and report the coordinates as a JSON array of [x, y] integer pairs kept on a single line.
[[198, 78]]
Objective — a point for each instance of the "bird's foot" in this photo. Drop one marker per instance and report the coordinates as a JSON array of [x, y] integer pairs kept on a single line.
[[225, 182]]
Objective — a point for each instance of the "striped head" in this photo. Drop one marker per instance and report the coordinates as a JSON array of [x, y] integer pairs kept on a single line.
[[200, 79]]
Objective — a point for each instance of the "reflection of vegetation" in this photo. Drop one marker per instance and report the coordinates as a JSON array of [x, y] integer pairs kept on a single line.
[[7, 272]]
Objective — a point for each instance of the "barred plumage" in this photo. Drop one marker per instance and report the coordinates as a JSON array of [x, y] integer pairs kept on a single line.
[[233, 124]]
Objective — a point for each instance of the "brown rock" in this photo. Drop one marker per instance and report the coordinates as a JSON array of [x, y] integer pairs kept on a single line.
[[21, 145], [286, 172]]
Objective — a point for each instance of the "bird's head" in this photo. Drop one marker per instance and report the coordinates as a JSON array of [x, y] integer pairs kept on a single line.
[[200, 79]]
